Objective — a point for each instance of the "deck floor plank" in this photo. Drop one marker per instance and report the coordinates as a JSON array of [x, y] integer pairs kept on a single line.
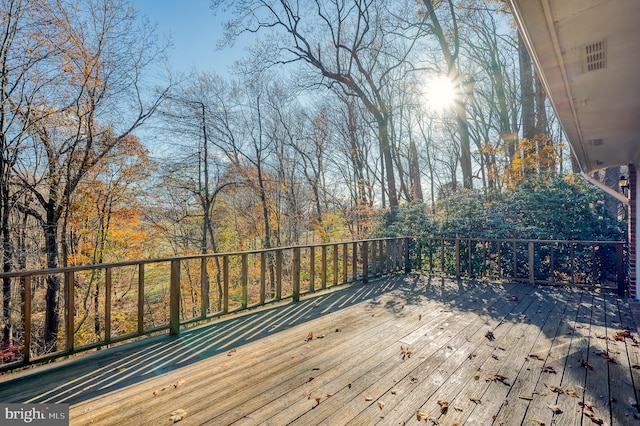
[[273, 375]]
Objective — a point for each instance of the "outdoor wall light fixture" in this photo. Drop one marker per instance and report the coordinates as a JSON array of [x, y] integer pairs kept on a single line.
[[624, 183]]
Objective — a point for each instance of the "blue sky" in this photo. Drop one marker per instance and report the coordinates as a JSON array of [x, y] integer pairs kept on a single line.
[[194, 31]]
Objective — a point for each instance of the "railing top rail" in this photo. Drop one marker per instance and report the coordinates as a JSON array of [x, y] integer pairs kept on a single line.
[[524, 240], [47, 271]]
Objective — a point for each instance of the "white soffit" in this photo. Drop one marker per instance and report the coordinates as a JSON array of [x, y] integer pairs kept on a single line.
[[588, 54]]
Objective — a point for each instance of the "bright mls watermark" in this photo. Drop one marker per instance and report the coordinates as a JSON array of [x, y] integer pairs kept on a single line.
[[34, 414]]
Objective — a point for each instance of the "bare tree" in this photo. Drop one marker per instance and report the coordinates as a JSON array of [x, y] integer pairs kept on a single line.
[[94, 78]]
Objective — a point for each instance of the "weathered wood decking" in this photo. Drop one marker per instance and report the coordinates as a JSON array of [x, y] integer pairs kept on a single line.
[[496, 353]]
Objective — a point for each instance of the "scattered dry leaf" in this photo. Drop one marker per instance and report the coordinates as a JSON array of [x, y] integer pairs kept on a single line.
[[393, 391], [231, 352], [421, 416], [381, 404], [179, 383], [475, 400], [572, 393], [318, 400], [406, 352], [555, 408], [538, 421], [549, 369], [309, 337], [556, 389], [329, 395], [534, 356], [444, 405], [420, 317], [368, 398], [177, 415], [526, 398], [585, 364], [489, 335], [311, 378]]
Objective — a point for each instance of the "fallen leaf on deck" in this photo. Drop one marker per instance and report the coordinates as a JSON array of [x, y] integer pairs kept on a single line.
[[329, 395], [476, 377], [526, 398], [177, 415], [623, 333], [368, 398], [406, 352], [444, 405], [572, 393], [489, 335], [393, 391], [311, 378], [381, 404], [555, 408], [179, 383], [475, 400], [309, 337], [534, 356], [549, 369], [318, 400], [538, 421], [338, 330], [420, 317], [556, 389], [494, 356], [421, 416], [156, 392], [231, 352], [585, 364]]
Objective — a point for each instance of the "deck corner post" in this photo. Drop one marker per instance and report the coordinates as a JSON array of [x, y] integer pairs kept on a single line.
[[174, 299], [296, 274]]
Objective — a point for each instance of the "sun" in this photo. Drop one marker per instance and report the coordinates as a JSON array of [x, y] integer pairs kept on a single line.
[[440, 93]]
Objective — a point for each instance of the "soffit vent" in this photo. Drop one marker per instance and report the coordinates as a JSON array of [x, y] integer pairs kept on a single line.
[[597, 142], [595, 55]]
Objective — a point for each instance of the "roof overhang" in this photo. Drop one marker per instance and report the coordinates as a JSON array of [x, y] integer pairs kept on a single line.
[[587, 53]]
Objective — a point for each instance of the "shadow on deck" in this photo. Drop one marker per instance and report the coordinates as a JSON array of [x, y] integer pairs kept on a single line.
[[495, 352]]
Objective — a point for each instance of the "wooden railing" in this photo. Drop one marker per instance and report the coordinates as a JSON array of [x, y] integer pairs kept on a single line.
[[104, 304]]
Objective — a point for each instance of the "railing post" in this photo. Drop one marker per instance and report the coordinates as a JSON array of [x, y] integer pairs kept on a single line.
[[335, 264], [457, 258], [205, 287], [324, 266], [26, 318], [407, 256], [71, 309], [374, 265], [312, 269], [244, 280], [620, 269], [532, 276], [552, 263], [174, 299], [107, 305], [278, 274], [263, 277], [225, 284], [141, 298], [365, 261], [296, 274], [354, 261], [345, 262]]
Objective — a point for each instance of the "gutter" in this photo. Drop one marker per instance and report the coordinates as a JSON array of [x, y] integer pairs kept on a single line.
[[618, 196]]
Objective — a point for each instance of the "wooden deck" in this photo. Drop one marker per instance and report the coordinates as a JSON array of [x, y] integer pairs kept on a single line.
[[403, 349]]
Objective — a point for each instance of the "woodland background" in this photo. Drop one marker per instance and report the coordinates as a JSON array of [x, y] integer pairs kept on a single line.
[[329, 129]]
